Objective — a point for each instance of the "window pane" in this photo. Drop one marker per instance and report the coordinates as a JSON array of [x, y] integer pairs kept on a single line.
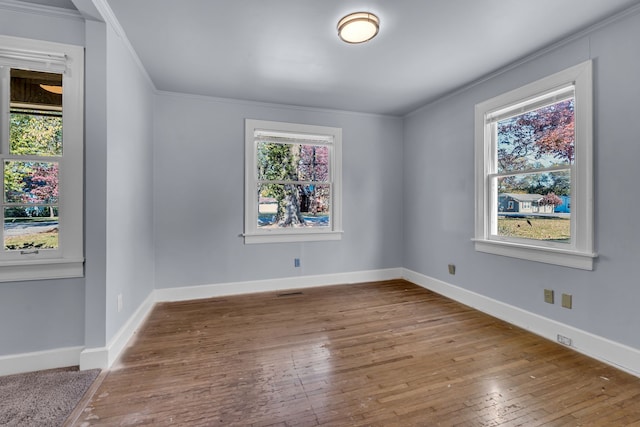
[[293, 162], [30, 182], [537, 139], [293, 205], [30, 227], [314, 163], [35, 113], [535, 206]]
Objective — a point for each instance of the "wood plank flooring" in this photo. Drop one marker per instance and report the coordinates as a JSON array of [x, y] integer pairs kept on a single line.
[[374, 354]]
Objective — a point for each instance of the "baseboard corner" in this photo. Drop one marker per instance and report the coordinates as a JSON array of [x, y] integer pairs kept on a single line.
[[94, 358]]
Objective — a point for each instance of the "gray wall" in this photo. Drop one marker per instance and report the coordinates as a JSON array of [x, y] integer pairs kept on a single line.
[[129, 220], [397, 205], [439, 179], [119, 173], [64, 28], [51, 314], [199, 194], [45, 314]]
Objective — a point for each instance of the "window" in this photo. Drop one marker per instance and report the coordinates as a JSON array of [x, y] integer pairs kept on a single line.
[[292, 182], [533, 161], [41, 155]]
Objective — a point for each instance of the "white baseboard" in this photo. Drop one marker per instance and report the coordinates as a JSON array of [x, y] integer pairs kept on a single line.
[[613, 353], [94, 358], [39, 360], [619, 355], [270, 285], [103, 357]]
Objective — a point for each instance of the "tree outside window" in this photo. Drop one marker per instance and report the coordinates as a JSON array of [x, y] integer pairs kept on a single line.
[[534, 171], [292, 182], [41, 159], [30, 179], [535, 151]]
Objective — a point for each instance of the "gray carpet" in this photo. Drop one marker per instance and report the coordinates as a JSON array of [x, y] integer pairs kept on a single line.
[[43, 398]]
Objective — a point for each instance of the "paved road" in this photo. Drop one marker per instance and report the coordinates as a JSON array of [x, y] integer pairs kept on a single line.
[[22, 228]]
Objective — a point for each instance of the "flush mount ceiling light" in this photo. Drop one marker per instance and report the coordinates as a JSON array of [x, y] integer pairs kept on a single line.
[[358, 27]]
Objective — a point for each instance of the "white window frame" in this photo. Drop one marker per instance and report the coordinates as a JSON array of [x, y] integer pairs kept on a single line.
[[68, 259], [579, 252], [253, 234]]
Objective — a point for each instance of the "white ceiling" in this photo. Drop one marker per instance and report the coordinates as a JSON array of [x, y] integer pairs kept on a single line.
[[287, 51]]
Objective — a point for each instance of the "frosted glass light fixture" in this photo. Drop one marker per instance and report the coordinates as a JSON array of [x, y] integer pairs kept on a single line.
[[358, 27]]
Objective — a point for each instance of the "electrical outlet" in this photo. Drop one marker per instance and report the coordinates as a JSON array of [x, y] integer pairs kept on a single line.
[[567, 301], [564, 340], [452, 269], [296, 262], [120, 303], [548, 296]]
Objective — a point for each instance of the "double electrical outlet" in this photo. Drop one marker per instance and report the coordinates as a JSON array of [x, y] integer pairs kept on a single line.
[[567, 299]]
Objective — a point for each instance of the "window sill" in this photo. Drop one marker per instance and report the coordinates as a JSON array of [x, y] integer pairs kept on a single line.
[[279, 237], [41, 269], [563, 257]]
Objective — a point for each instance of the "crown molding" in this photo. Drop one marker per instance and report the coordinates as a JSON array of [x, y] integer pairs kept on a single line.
[[39, 9], [585, 32], [110, 18]]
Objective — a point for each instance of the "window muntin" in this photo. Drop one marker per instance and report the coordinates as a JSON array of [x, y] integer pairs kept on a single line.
[[30, 201], [292, 182], [297, 178], [534, 171], [534, 144], [41, 158]]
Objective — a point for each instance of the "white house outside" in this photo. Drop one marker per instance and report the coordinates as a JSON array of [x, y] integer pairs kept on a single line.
[[523, 203]]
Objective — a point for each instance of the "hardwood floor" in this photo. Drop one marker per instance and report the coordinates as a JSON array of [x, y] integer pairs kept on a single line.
[[376, 354]]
